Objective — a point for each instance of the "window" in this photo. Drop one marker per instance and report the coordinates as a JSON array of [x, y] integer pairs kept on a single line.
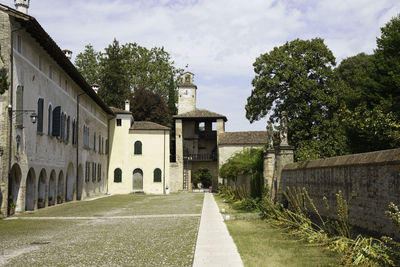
[[138, 148], [87, 172], [106, 146], [40, 115], [19, 44], [100, 144], [94, 142], [73, 132], [93, 172], [117, 175], [62, 124], [98, 172], [57, 121], [157, 175], [187, 78], [20, 106], [119, 122], [202, 126], [67, 134], [50, 120]]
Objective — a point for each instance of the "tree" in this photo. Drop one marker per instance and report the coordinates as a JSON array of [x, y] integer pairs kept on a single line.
[[298, 78], [172, 97], [87, 63], [149, 106], [114, 84], [202, 175]]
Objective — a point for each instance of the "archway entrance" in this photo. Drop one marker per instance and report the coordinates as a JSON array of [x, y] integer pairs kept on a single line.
[[13, 188], [42, 189], [137, 180], [60, 188], [30, 190], [80, 183], [52, 188], [70, 183]]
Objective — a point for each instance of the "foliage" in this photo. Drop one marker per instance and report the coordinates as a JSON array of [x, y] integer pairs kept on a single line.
[[202, 175], [12, 205], [149, 106], [88, 64], [298, 78], [4, 84], [114, 84], [233, 193], [172, 110]]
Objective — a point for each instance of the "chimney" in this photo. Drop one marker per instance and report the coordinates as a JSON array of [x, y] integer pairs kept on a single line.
[[95, 87], [68, 53], [22, 5], [127, 105]]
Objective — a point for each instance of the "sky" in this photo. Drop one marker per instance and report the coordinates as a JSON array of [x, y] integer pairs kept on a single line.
[[219, 40]]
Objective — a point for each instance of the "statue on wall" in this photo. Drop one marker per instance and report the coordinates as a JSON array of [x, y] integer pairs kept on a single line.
[[270, 135], [284, 129]]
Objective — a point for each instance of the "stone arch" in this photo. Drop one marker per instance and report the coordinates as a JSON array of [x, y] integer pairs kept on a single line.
[[70, 183], [42, 189], [137, 180], [80, 183], [52, 188], [60, 188], [30, 190], [14, 184]]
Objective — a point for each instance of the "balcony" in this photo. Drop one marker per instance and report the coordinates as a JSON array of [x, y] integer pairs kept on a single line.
[[200, 157], [208, 135]]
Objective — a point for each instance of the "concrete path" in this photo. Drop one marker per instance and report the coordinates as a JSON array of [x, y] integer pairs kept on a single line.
[[214, 246]]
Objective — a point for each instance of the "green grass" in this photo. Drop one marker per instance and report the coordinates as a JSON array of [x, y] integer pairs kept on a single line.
[[168, 241], [227, 206], [259, 244]]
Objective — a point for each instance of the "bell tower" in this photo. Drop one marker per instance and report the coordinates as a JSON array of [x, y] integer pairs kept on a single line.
[[187, 93], [22, 5]]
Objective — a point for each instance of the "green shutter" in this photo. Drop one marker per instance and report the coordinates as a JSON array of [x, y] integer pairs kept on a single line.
[[20, 106], [138, 148], [57, 121], [40, 115], [157, 175], [117, 176]]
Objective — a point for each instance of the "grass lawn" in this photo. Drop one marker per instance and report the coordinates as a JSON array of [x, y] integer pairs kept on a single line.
[[105, 241], [259, 244]]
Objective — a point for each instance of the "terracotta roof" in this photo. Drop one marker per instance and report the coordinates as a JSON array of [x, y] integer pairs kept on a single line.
[[120, 111], [32, 26], [147, 125], [200, 113], [243, 138]]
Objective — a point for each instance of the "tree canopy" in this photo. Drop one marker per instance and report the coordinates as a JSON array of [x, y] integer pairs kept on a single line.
[[298, 78]]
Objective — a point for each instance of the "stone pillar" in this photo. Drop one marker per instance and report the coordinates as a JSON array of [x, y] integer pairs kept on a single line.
[[284, 156], [269, 166], [179, 150], [220, 126]]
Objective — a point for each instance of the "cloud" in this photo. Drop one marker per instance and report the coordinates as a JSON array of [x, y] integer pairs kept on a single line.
[[219, 39]]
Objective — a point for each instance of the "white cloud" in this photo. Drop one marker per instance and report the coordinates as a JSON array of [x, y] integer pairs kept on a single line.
[[219, 39]]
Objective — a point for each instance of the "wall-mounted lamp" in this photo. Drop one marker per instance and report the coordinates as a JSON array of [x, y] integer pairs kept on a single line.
[[19, 112]]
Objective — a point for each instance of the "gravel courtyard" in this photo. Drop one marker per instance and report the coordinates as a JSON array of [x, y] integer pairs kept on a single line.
[[124, 230]]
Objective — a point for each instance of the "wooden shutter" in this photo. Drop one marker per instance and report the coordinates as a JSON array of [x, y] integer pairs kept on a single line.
[[20, 106], [138, 148], [40, 115], [157, 175], [57, 121]]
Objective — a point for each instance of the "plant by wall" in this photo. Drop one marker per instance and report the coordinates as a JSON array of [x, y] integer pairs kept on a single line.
[[202, 175], [3, 80]]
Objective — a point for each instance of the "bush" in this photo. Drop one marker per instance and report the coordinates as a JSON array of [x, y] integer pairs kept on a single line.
[[203, 176]]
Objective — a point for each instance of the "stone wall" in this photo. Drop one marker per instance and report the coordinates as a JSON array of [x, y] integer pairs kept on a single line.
[[369, 182]]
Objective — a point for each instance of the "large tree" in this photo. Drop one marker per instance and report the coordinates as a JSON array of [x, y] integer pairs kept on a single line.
[[114, 84], [149, 106], [87, 63], [298, 78]]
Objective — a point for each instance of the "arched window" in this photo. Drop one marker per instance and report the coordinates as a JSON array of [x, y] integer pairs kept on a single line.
[[157, 175], [50, 120], [138, 148], [40, 115], [117, 175]]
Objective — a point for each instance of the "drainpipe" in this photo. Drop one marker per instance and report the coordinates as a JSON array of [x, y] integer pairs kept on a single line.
[[164, 166], [77, 144], [108, 149]]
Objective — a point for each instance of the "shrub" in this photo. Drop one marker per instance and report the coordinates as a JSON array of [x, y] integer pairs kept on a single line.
[[203, 176]]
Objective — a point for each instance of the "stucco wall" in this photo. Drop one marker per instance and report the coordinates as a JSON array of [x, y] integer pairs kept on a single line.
[[152, 157], [369, 182]]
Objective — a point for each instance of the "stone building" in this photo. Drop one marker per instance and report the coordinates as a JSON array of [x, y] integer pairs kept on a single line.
[[62, 156]]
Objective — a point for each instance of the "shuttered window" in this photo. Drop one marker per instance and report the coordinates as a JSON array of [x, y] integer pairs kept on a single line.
[[40, 115], [67, 135], [157, 175], [117, 175], [20, 106], [57, 121], [50, 121], [138, 148]]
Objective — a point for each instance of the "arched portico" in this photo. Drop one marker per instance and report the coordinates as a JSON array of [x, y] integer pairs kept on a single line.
[[70, 183], [52, 188], [30, 190], [14, 184], [41, 201]]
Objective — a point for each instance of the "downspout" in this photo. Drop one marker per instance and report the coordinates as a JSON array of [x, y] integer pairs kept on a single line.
[[164, 166], [77, 144], [108, 150]]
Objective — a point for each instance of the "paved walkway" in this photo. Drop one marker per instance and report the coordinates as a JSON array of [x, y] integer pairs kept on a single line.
[[214, 246]]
